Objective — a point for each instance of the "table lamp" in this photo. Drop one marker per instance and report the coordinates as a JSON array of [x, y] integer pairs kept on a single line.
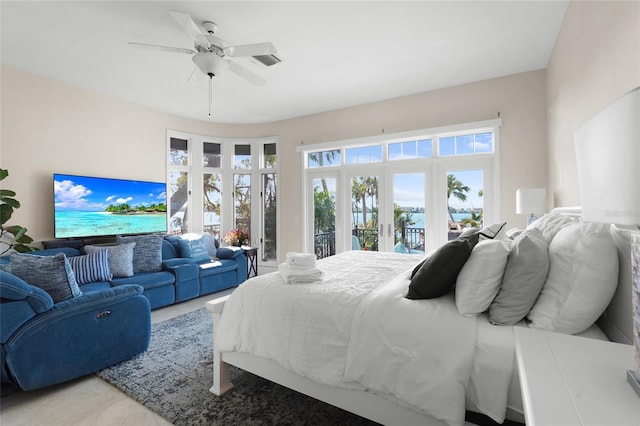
[[608, 162], [531, 201]]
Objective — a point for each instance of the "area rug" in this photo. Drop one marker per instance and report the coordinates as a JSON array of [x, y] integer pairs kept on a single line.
[[173, 377]]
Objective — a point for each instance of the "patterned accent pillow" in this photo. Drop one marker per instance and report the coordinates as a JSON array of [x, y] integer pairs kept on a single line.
[[120, 258], [147, 253], [53, 274], [90, 268], [194, 250]]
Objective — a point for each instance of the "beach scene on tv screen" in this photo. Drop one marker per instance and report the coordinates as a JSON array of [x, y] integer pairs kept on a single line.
[[91, 206]]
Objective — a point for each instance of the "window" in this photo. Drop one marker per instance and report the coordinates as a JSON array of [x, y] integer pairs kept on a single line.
[[363, 154], [475, 143], [408, 193], [324, 158], [410, 149], [220, 184]]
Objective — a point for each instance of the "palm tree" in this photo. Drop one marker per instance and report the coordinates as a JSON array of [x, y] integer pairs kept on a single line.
[[458, 190], [319, 157], [359, 193]]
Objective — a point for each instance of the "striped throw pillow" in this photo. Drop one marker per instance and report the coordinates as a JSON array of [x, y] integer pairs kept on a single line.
[[92, 267]]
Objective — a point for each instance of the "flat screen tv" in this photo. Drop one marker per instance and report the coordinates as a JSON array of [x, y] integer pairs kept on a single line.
[[87, 206]]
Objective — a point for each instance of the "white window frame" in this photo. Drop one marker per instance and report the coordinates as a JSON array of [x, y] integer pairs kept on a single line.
[[196, 171], [439, 166]]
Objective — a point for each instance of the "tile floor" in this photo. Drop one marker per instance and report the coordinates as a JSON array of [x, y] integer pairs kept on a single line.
[[88, 400]]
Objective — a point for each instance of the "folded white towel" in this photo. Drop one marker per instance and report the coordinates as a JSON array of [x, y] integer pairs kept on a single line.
[[301, 260], [290, 276]]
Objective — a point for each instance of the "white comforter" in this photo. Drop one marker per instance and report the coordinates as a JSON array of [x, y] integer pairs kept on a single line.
[[419, 352], [355, 329]]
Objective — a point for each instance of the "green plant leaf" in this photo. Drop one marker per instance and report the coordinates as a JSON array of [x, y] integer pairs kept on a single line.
[[7, 193], [22, 248], [17, 231], [5, 213], [10, 201], [3, 173]]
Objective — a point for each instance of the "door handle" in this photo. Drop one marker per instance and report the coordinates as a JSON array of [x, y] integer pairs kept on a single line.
[[381, 233], [390, 233]]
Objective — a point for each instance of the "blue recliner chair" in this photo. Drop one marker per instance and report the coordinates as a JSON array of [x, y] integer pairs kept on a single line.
[[43, 343]]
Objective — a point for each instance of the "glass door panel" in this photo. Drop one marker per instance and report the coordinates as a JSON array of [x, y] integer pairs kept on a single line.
[[364, 213], [242, 203], [179, 202], [409, 213], [212, 203], [324, 217], [269, 216], [465, 204]]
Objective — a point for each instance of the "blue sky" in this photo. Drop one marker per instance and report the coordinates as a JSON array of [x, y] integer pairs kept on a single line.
[[81, 193]]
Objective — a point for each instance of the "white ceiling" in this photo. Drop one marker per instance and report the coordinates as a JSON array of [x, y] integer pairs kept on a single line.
[[335, 54]]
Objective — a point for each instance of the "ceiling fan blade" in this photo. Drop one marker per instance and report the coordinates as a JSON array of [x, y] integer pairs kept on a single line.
[[257, 49], [246, 74], [196, 77], [163, 48], [191, 28]]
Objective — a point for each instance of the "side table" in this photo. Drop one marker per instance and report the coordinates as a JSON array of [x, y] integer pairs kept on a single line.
[[252, 260], [570, 380]]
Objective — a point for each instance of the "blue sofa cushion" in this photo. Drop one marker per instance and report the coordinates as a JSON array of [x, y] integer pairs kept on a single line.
[[147, 280], [147, 253], [53, 274], [194, 250], [120, 258], [92, 267]]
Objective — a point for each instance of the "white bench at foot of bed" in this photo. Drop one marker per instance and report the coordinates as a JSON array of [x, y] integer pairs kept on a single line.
[[362, 403]]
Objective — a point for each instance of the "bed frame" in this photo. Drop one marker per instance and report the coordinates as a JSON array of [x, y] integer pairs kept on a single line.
[[616, 322]]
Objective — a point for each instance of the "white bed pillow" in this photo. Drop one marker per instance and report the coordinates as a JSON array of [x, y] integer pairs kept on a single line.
[[524, 276], [550, 224], [479, 280], [583, 275]]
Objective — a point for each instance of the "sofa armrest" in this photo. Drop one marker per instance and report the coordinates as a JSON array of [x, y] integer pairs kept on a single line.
[[228, 253], [183, 270], [14, 288], [168, 264]]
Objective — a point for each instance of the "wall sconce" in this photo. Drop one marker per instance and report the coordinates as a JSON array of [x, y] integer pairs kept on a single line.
[[531, 201]]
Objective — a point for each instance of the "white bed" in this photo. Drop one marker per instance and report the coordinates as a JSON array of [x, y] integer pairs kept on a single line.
[[356, 342]]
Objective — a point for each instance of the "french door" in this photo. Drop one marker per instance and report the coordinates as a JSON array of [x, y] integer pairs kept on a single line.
[[369, 208]]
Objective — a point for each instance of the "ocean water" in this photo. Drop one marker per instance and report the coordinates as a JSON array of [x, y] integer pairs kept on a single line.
[[87, 224], [418, 218]]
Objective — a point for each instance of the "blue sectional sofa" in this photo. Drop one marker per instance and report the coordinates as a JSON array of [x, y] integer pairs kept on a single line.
[[176, 278], [45, 343], [105, 318]]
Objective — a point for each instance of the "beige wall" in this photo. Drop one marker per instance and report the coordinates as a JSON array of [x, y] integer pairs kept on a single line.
[[49, 126], [596, 60]]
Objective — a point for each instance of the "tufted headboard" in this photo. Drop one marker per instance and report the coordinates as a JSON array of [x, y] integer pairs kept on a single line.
[[617, 320]]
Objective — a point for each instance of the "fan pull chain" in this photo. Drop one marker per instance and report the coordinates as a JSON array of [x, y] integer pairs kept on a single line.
[[210, 93]]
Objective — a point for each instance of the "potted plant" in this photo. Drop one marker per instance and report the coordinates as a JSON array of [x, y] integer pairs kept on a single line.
[[11, 237]]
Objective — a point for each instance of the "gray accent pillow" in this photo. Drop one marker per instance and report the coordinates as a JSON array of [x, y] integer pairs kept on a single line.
[[120, 258], [525, 274], [147, 253], [53, 274]]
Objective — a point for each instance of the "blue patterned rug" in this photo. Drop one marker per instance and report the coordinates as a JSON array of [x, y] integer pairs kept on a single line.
[[173, 377]]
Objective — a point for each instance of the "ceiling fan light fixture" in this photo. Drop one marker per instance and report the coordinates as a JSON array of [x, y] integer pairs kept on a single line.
[[208, 63]]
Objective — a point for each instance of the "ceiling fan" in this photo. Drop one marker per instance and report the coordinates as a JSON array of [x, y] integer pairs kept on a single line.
[[212, 55]]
